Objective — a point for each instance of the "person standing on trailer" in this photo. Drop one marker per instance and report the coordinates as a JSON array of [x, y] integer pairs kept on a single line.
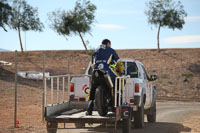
[[104, 58]]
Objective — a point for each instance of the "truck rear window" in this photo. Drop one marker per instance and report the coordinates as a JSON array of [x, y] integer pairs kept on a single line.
[[132, 69]]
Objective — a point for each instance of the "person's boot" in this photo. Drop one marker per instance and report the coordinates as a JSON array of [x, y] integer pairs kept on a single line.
[[90, 107]]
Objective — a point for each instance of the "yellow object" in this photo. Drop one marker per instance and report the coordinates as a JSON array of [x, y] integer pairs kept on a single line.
[[92, 66], [112, 66], [89, 95], [120, 66]]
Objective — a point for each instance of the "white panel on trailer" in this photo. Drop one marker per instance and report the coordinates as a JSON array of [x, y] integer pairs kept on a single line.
[[81, 87]]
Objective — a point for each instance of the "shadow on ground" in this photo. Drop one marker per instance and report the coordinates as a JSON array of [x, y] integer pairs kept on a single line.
[[158, 127]]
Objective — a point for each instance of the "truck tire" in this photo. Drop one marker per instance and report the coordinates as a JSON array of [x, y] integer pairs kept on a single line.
[[79, 125], [126, 127], [101, 101], [139, 117], [151, 118]]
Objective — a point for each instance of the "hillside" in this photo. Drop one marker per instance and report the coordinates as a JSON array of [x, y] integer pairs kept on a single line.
[[178, 72], [178, 69]]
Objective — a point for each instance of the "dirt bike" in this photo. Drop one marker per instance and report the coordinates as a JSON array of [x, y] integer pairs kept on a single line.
[[104, 91]]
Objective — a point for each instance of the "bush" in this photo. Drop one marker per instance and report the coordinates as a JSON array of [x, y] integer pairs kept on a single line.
[[164, 76], [187, 75], [91, 51]]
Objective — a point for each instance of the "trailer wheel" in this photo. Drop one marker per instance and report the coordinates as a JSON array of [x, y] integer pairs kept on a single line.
[[126, 127], [52, 127], [79, 125], [101, 101], [152, 117], [139, 117]]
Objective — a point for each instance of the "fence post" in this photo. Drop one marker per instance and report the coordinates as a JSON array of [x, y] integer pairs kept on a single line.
[[63, 89], [44, 87], [52, 91], [58, 91], [15, 111], [68, 61], [68, 85]]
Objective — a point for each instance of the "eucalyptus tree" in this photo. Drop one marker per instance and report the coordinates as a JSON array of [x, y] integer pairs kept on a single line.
[[165, 13], [5, 14], [77, 21], [25, 18]]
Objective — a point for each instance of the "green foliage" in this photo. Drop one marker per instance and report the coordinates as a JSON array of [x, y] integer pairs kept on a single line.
[[164, 76], [153, 71], [5, 14], [166, 13], [76, 21], [25, 17], [71, 22], [91, 51], [187, 75]]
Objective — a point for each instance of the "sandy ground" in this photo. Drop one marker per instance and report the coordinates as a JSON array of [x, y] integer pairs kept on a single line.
[[171, 116]]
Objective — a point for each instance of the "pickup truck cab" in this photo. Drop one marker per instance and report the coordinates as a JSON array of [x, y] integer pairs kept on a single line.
[[142, 92]]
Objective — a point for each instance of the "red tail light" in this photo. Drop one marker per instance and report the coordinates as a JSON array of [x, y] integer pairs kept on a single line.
[[131, 100], [137, 88], [72, 87], [76, 100], [82, 99]]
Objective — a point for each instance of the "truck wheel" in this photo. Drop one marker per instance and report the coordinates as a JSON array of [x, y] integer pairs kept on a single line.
[[126, 127], [79, 125], [152, 117], [101, 101], [139, 117]]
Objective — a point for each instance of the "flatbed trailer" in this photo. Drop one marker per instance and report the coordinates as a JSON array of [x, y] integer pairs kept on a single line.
[[78, 117], [74, 112]]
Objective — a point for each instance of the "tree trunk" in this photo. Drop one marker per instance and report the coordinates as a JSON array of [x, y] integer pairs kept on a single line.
[[20, 40], [86, 50], [158, 42]]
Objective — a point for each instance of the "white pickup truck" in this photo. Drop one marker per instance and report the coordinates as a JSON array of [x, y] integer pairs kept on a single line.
[[142, 92]]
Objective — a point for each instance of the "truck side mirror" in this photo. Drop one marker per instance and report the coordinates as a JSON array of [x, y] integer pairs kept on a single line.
[[153, 77]]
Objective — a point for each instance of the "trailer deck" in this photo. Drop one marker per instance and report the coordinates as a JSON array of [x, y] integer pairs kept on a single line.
[[73, 116]]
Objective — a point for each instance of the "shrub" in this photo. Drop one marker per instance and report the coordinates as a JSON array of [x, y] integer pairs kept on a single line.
[[187, 75], [164, 76]]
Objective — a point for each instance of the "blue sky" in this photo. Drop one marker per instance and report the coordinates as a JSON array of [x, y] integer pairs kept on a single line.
[[121, 21]]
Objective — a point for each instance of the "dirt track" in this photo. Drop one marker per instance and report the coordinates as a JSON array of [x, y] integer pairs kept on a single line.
[[172, 117]]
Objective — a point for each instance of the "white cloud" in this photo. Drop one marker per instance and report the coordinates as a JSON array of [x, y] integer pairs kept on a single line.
[[110, 26], [117, 12], [192, 19], [183, 39]]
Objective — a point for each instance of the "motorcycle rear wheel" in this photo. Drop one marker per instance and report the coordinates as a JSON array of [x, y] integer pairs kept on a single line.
[[101, 101]]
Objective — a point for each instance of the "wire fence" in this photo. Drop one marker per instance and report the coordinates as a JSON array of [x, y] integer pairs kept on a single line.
[[25, 73]]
